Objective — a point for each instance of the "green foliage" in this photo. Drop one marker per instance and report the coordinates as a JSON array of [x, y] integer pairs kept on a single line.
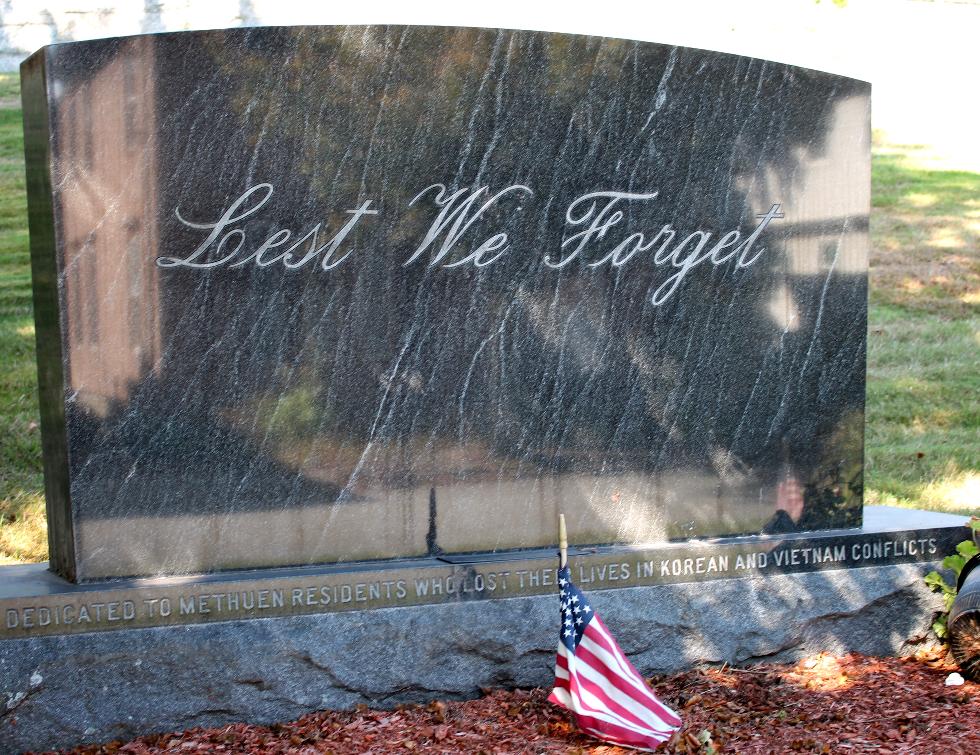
[[955, 563], [704, 739], [292, 415]]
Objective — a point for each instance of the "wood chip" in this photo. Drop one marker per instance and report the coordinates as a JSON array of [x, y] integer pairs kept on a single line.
[[822, 704]]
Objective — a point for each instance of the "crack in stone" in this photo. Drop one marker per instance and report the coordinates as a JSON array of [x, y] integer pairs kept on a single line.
[[260, 684], [16, 700]]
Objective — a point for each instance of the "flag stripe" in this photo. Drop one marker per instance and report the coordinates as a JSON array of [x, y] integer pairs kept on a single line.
[[586, 714], [598, 657], [601, 635], [611, 731], [628, 681], [618, 698], [597, 702], [620, 694], [586, 703], [574, 701]]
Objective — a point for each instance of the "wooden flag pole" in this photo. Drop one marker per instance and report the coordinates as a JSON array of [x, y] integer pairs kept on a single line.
[[562, 541]]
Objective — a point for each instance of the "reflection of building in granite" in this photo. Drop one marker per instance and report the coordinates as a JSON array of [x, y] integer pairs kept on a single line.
[[823, 237], [106, 131], [826, 228]]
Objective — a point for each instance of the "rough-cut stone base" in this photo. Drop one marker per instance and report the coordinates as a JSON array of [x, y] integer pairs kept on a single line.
[[64, 690]]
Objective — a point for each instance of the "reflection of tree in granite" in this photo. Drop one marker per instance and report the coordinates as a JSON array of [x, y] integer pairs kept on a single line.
[[178, 464], [546, 428], [338, 86], [291, 415], [840, 477]]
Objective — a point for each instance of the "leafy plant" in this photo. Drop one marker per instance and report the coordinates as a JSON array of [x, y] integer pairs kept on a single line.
[[955, 563], [704, 739]]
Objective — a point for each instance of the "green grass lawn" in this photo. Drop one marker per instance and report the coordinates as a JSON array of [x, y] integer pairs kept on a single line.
[[923, 411], [23, 535]]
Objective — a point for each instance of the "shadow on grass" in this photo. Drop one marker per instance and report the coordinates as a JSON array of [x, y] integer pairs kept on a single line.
[[926, 236]]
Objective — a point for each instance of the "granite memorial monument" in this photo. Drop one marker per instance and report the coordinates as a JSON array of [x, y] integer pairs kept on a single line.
[[339, 318]]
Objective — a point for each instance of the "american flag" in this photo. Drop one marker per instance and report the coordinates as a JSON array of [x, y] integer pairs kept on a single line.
[[593, 679]]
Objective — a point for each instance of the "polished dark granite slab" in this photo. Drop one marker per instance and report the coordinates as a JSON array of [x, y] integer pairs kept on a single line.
[[322, 294]]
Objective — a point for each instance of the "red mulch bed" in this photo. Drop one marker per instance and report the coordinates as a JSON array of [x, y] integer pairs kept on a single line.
[[850, 704]]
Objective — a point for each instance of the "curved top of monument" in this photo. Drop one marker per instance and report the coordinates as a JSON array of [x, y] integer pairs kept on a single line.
[[245, 31], [319, 294]]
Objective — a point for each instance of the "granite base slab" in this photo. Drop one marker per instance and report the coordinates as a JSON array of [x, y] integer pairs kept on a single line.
[[101, 661], [93, 687]]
